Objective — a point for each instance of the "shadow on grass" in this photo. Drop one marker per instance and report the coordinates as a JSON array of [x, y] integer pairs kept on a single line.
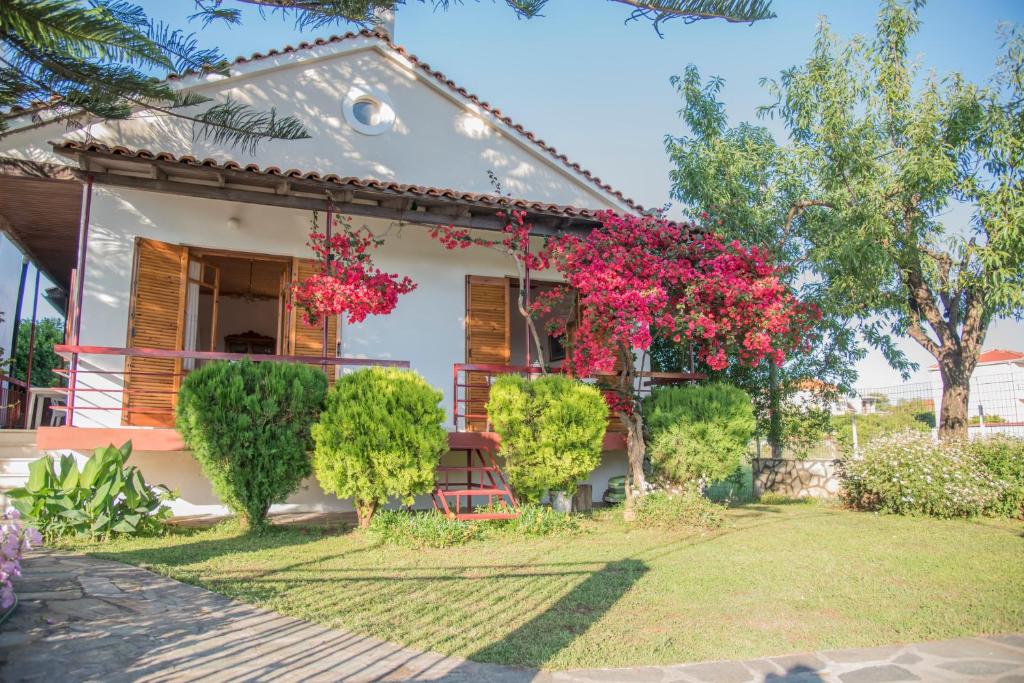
[[199, 551], [539, 640]]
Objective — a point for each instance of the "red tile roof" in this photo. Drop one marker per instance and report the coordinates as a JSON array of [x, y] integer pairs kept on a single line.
[[349, 182], [996, 356], [422, 66]]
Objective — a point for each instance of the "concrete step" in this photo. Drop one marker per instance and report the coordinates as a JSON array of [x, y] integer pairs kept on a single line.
[[17, 450], [17, 437]]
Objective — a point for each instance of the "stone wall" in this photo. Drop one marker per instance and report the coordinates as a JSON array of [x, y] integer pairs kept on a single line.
[[796, 478]]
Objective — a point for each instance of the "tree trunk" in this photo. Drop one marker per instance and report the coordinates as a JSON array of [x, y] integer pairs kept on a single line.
[[635, 451], [364, 512], [955, 393], [774, 411]]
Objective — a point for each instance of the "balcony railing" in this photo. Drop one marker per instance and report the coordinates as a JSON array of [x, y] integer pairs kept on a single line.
[[471, 388], [13, 400], [103, 381]]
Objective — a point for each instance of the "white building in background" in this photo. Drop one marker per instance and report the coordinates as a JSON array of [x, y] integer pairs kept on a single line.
[[997, 391]]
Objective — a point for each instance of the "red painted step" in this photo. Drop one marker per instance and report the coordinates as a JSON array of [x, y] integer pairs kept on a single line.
[[460, 498]]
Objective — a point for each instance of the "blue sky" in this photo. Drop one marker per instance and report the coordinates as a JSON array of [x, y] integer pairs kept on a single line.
[[598, 89]]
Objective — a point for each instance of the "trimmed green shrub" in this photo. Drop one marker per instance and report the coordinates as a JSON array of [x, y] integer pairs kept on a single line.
[[381, 435], [248, 426], [1003, 456], [422, 530], [685, 509], [105, 497], [552, 431], [909, 473], [698, 434]]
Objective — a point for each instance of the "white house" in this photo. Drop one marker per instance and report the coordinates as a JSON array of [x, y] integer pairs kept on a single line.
[[996, 402], [189, 246]]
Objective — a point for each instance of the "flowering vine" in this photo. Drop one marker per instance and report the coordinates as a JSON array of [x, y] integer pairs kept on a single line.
[[347, 282]]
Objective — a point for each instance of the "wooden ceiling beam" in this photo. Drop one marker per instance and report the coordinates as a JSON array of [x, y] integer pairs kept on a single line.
[[306, 194]]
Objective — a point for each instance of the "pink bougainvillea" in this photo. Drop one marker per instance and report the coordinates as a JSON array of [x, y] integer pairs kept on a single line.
[[347, 282], [640, 277]]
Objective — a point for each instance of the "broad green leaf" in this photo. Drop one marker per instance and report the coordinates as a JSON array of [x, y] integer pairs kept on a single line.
[[39, 474]]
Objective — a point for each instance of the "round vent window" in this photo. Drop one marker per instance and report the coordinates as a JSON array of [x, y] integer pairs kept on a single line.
[[368, 113]]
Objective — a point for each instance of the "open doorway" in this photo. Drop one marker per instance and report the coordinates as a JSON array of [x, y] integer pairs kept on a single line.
[[554, 350], [236, 303]]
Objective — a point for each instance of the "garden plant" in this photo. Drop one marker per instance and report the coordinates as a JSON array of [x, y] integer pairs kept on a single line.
[[910, 473], [248, 426], [381, 436], [15, 540], [552, 430], [699, 434], [105, 497]]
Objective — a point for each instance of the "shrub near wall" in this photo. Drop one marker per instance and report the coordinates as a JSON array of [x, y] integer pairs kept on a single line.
[[248, 426], [552, 431], [698, 434], [381, 436]]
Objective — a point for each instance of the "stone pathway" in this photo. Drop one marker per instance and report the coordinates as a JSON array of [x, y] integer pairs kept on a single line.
[[83, 619]]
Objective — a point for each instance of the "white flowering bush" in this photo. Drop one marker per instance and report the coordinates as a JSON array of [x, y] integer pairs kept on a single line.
[[15, 539], [909, 473]]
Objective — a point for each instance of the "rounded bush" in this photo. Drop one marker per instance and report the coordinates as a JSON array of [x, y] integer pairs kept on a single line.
[[248, 426], [552, 431], [380, 436], [698, 434], [909, 473]]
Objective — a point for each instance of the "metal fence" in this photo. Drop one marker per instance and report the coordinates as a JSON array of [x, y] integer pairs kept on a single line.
[[995, 405]]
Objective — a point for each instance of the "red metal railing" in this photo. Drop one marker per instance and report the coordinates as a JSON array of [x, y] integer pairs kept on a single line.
[[93, 388], [471, 384], [13, 401]]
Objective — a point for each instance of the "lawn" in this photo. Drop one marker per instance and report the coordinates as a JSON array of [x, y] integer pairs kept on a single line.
[[775, 579]]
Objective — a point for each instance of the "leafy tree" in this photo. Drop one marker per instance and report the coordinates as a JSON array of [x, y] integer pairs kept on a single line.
[[381, 435], [103, 58], [744, 184], [884, 161], [552, 431], [49, 331], [99, 57], [248, 426]]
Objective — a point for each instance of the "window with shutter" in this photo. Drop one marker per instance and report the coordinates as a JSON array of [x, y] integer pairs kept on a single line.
[[155, 321], [487, 340], [305, 340]]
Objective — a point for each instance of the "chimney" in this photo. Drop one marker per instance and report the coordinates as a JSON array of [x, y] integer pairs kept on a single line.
[[384, 21]]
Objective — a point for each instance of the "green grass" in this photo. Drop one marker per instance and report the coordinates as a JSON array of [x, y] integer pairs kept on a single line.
[[775, 579]]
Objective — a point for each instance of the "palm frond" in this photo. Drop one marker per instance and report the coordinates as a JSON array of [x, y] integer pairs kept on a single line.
[[84, 32], [239, 125], [690, 11]]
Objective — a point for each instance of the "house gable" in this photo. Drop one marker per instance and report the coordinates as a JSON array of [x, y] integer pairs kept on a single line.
[[441, 136]]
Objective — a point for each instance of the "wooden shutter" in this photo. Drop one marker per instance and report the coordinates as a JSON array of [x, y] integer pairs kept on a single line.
[[304, 340], [155, 321], [487, 340]]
